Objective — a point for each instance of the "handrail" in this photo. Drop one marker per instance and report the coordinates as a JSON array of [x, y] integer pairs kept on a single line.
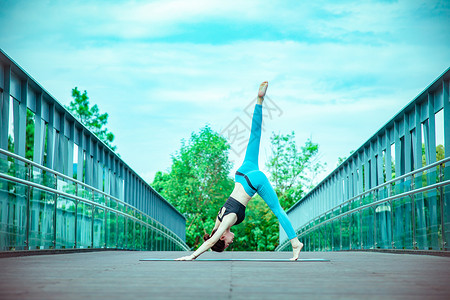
[[18, 157], [405, 194], [430, 166], [442, 161]]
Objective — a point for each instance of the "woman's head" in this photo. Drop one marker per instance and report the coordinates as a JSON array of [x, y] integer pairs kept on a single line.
[[225, 240]]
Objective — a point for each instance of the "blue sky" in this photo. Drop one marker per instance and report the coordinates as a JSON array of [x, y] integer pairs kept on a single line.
[[337, 70]]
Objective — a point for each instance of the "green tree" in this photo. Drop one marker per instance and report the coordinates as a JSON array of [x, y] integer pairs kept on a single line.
[[29, 144], [198, 183], [293, 170], [91, 117], [259, 231]]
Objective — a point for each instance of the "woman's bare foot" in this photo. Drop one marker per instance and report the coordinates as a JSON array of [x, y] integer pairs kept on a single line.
[[296, 248], [262, 91]]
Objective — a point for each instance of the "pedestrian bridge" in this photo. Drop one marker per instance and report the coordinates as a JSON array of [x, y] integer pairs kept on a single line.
[[63, 190]]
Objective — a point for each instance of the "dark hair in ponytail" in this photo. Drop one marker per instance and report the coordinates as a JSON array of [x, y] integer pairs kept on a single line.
[[219, 246]]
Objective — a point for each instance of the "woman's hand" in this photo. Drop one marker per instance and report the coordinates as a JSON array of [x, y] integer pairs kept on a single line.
[[185, 258]]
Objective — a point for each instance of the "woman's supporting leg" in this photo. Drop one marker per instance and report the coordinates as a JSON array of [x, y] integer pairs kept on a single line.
[[266, 191]]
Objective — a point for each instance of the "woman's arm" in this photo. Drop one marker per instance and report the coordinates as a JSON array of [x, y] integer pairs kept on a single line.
[[226, 223]]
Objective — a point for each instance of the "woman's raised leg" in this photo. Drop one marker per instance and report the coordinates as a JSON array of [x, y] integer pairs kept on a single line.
[[252, 152]]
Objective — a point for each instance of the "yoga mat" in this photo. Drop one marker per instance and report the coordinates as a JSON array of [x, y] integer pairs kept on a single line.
[[243, 259]]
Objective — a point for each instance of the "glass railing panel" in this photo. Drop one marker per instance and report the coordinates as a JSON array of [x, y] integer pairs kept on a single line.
[[367, 199], [306, 240], [99, 227], [155, 236], [67, 186], [446, 215], [433, 175], [427, 220], [160, 241], [367, 228], [399, 187], [121, 228], [4, 164], [345, 207], [408, 184], [345, 232], [336, 212], [111, 229], [65, 223], [355, 203], [313, 240], [99, 198], [112, 203], [37, 176], [383, 192], [84, 225], [42, 212], [446, 171], [13, 210], [321, 237], [402, 223], [421, 218], [138, 236], [336, 234], [144, 237], [84, 192], [130, 233], [15, 168], [151, 239], [383, 226], [355, 231], [329, 236], [120, 207], [48, 179]]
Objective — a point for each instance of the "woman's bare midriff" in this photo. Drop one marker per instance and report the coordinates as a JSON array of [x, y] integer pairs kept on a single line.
[[239, 194]]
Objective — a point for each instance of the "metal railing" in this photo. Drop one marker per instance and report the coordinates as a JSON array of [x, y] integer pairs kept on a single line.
[[365, 222], [111, 223]]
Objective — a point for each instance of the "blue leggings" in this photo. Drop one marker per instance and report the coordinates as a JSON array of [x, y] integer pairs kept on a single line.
[[254, 181]]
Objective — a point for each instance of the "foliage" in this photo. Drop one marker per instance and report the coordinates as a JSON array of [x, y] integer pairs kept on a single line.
[[29, 144], [198, 183], [293, 170], [91, 117], [259, 231]]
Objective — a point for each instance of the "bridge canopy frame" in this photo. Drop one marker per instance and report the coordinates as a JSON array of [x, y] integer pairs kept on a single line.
[[70, 167], [391, 193]]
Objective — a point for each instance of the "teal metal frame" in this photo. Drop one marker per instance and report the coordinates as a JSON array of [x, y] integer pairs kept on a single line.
[[71, 176]]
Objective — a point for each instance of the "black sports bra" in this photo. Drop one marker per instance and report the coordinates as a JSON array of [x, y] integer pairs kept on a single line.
[[232, 206]]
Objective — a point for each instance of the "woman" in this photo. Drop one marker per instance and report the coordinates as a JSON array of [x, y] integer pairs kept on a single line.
[[249, 180]]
